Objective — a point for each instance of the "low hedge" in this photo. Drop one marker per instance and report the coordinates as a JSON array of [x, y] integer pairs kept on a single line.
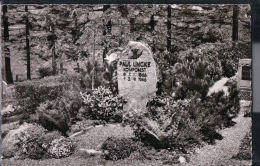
[[33, 94], [30, 94]]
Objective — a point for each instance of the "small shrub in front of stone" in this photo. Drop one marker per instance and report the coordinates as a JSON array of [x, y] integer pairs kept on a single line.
[[118, 148], [102, 104]]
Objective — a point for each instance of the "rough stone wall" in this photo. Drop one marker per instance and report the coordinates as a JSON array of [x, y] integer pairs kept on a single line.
[[75, 26]]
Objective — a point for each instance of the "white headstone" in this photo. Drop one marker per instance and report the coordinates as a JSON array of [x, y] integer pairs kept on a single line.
[[136, 71]]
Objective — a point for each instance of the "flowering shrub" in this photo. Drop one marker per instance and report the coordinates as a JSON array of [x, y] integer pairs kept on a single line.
[[61, 147], [101, 104]]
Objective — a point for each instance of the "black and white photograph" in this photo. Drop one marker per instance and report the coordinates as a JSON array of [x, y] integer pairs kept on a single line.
[[126, 85]]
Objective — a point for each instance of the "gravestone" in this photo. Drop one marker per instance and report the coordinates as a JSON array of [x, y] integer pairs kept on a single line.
[[136, 73], [244, 79]]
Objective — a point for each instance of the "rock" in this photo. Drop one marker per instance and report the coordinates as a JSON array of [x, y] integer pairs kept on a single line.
[[182, 160], [198, 8], [152, 137], [111, 58], [5, 128], [9, 109], [218, 86], [14, 143], [91, 152], [136, 73], [61, 147], [136, 12], [4, 87], [175, 6], [81, 132]]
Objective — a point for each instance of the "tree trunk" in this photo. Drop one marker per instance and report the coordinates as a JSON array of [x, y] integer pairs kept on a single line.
[[28, 45], [8, 71], [152, 24], [132, 24], [109, 27], [94, 63], [169, 27], [105, 41], [54, 68], [235, 23], [53, 38]]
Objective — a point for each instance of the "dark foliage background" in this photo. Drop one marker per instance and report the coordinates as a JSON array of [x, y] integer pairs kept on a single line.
[[76, 26]]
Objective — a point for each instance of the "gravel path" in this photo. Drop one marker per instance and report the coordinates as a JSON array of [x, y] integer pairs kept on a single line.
[[96, 136], [221, 153]]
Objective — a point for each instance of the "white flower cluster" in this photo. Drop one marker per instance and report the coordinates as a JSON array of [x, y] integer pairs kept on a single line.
[[62, 147]]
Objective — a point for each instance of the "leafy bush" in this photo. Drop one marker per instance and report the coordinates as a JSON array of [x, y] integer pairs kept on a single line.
[[101, 104], [24, 142], [36, 148], [61, 147], [200, 66], [118, 148], [208, 34], [215, 112], [180, 124], [60, 113], [34, 142], [197, 72], [166, 77], [29, 94], [86, 76], [166, 124]]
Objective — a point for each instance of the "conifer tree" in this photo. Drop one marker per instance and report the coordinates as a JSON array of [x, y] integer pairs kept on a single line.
[[8, 72], [28, 59], [235, 23]]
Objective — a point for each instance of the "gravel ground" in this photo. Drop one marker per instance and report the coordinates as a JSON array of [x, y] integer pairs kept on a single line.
[[222, 152], [96, 136]]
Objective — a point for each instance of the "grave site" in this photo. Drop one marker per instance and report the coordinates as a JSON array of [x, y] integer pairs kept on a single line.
[[126, 85]]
